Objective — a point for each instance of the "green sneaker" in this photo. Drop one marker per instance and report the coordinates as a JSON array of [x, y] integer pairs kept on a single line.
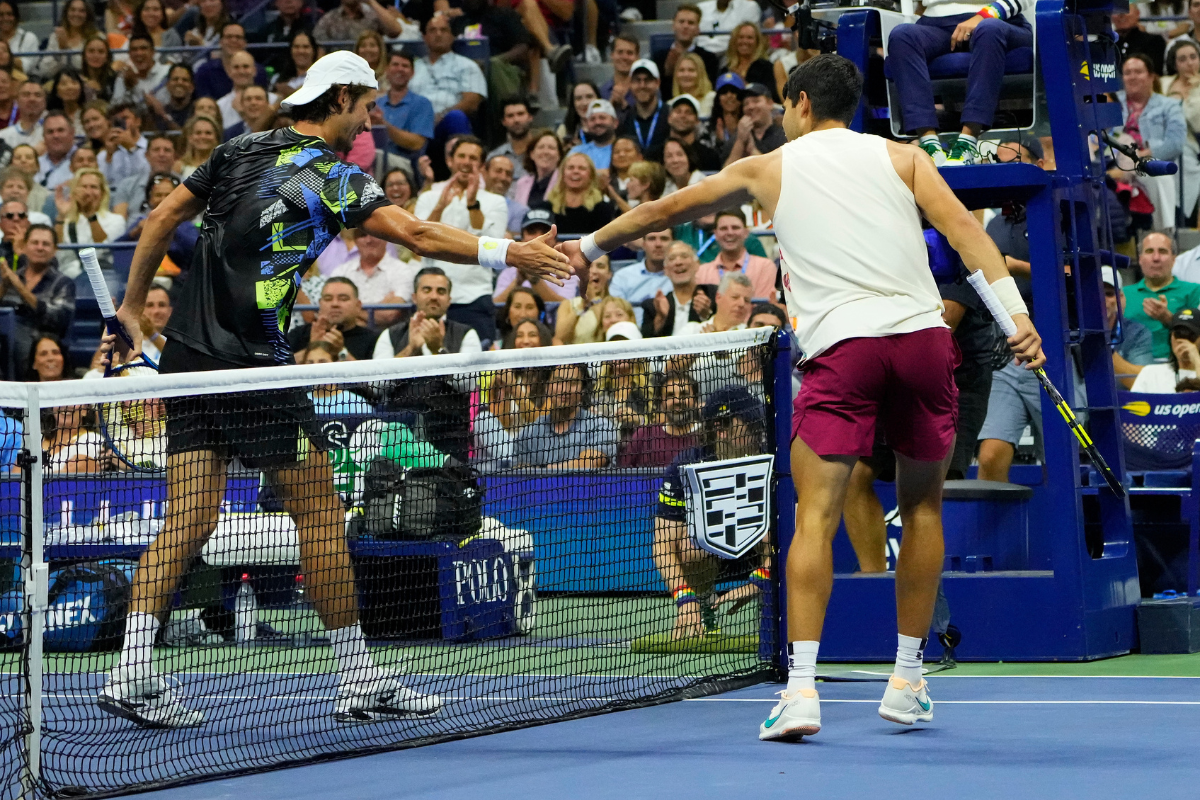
[[964, 153], [934, 148]]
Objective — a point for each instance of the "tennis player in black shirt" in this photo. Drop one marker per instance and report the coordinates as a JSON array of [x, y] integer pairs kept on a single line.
[[271, 203]]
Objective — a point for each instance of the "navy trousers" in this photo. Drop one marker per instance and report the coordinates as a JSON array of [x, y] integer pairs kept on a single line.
[[912, 46]]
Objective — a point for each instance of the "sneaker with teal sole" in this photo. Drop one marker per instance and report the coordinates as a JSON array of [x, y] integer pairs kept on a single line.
[[934, 148], [793, 717], [905, 703], [964, 153]]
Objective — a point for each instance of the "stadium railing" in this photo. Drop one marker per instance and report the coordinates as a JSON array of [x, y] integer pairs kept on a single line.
[[532, 598]]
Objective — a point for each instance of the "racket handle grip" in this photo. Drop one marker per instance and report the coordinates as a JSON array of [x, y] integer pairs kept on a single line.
[[91, 265], [999, 313], [114, 326]]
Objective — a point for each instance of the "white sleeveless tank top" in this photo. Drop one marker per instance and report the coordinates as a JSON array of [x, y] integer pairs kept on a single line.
[[850, 240]]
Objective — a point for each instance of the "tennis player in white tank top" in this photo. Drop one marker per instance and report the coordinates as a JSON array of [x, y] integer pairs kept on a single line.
[[847, 211]]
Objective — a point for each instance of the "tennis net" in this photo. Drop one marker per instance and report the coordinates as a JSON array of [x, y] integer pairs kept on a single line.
[[521, 537]]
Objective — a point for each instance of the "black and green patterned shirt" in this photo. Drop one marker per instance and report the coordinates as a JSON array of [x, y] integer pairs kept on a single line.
[[275, 201]]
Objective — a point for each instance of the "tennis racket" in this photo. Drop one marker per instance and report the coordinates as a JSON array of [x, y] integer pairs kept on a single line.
[[91, 265], [132, 429], [1005, 321]]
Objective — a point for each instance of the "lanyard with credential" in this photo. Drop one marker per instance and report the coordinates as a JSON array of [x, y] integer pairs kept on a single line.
[[644, 141]]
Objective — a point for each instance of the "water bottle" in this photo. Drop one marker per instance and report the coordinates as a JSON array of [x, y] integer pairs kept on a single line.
[[245, 612]]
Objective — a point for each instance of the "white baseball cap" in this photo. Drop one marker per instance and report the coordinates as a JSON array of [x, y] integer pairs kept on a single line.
[[623, 330], [1110, 277], [601, 107], [341, 68], [646, 64], [686, 98]]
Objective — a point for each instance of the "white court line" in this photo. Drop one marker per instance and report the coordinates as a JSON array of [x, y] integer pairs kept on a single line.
[[972, 702]]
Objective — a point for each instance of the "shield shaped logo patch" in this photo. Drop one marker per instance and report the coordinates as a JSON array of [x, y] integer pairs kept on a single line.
[[729, 503]]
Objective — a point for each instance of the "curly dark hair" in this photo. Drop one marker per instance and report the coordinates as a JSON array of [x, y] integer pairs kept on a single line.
[[327, 103]]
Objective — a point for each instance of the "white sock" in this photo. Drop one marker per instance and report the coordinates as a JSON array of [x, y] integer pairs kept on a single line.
[[930, 137], [802, 666], [354, 660], [910, 653], [138, 650], [966, 137]]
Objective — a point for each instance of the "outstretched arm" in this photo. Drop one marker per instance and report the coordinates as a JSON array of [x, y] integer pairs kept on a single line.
[[740, 183], [435, 240]]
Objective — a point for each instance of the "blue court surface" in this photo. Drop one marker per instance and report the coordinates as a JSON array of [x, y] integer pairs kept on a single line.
[[992, 737]]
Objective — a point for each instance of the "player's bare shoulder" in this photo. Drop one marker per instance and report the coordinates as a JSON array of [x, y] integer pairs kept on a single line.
[[906, 159], [761, 177]]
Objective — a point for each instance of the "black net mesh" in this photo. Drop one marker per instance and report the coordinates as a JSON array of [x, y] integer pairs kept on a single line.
[[243, 580]]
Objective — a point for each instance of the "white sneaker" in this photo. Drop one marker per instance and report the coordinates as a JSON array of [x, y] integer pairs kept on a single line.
[[145, 700], [591, 55], [380, 699], [905, 703], [792, 717]]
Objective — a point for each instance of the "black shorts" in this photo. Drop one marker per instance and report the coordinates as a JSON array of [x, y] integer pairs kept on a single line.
[[262, 429]]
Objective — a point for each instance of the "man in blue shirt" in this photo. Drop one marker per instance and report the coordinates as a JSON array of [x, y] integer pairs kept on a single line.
[[568, 436], [642, 281], [407, 115], [601, 129]]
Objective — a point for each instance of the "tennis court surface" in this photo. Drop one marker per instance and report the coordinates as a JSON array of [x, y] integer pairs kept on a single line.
[[1124, 727]]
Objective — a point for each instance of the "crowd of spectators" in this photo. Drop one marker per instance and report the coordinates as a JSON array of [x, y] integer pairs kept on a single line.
[[103, 118]]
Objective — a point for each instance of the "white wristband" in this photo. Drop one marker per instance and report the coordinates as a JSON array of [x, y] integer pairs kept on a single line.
[[493, 252], [1002, 299], [591, 251]]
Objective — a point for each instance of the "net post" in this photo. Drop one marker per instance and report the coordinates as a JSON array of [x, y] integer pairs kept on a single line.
[[35, 573], [785, 490]]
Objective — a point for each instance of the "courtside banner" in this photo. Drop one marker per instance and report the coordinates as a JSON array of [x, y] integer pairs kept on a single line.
[[729, 503]]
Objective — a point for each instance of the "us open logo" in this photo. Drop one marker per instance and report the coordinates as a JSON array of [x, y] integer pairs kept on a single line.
[[729, 503]]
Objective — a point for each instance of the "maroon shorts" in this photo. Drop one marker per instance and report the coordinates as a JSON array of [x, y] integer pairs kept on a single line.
[[905, 383]]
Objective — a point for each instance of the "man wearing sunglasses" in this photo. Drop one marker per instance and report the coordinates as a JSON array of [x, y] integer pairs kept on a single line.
[[14, 221]]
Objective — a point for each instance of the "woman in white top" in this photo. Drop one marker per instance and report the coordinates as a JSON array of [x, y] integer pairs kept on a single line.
[[76, 26], [84, 218], [1184, 364], [680, 166], [19, 40], [1182, 82]]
